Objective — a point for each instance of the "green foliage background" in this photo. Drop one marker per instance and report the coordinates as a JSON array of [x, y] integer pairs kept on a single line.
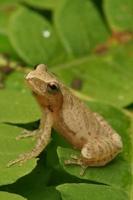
[[88, 44]]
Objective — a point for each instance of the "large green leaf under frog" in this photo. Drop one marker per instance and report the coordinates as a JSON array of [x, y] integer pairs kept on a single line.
[[118, 172]]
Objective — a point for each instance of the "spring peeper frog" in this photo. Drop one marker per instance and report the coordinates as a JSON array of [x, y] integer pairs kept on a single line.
[[69, 116]]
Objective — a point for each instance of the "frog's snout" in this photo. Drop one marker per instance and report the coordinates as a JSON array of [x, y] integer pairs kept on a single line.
[[29, 76]]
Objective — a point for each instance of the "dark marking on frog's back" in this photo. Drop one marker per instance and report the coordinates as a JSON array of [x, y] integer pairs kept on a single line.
[[77, 84]]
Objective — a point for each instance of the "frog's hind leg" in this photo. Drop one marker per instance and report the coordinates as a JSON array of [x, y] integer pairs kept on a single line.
[[97, 152], [89, 156]]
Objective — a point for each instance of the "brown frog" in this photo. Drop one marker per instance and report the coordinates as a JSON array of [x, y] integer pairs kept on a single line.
[[69, 116]]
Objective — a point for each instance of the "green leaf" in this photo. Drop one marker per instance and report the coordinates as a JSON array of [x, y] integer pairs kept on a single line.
[[5, 3], [16, 82], [41, 4], [34, 38], [6, 196], [10, 149], [80, 26], [108, 174], [17, 105], [107, 78], [5, 46], [119, 14], [88, 191], [6, 9]]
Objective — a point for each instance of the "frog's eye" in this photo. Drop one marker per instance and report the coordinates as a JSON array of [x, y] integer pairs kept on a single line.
[[52, 88]]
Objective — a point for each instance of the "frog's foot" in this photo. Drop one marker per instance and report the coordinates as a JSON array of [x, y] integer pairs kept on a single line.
[[26, 134], [75, 160], [21, 159]]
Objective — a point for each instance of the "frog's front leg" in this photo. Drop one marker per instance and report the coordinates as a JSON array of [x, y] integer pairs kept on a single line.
[[34, 133], [43, 139]]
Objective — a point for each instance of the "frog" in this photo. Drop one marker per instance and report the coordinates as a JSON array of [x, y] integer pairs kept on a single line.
[[86, 130]]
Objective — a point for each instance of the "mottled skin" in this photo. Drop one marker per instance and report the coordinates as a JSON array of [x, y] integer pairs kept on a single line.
[[67, 114]]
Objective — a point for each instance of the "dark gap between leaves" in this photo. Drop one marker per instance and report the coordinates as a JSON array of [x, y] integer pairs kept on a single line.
[[29, 126], [43, 12], [129, 107], [99, 6]]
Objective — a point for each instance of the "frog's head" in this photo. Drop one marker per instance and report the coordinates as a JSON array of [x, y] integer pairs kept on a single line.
[[45, 85], [42, 82]]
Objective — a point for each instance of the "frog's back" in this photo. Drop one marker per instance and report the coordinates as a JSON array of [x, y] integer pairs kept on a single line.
[[78, 123], [76, 116]]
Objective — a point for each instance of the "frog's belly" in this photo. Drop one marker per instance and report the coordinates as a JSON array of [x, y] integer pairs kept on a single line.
[[73, 122], [77, 140], [70, 136]]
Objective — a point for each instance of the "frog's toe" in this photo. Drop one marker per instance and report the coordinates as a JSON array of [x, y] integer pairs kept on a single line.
[[75, 157], [26, 134], [83, 169], [20, 160], [13, 162], [74, 160]]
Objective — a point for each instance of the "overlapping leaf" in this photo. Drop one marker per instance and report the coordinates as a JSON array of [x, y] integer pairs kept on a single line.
[[47, 4], [107, 78], [34, 38], [6, 9], [88, 191], [80, 26], [119, 14]]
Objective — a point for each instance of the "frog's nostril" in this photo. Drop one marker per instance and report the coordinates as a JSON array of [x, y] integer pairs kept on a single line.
[[29, 76]]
